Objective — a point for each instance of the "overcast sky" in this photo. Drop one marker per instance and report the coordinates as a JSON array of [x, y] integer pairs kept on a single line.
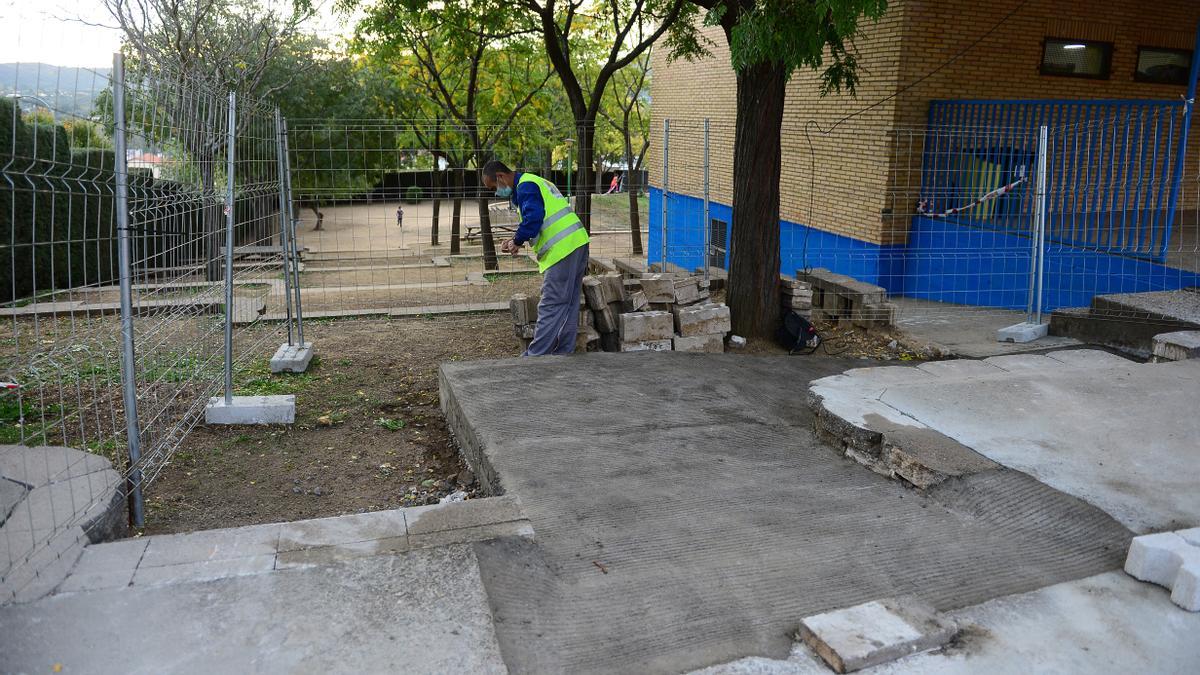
[[46, 31]]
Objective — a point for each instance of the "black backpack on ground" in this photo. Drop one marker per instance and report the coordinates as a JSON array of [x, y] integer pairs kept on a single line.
[[797, 335]]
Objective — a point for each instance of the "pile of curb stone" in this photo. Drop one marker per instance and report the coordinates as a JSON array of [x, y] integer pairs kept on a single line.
[[821, 295], [638, 311]]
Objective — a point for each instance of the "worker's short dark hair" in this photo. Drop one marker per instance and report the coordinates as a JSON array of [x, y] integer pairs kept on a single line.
[[494, 167]]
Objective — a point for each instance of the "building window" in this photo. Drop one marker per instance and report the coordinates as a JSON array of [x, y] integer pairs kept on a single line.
[[1163, 66], [717, 245], [1076, 58]]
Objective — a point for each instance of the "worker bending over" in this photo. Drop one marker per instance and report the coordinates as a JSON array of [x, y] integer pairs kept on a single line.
[[560, 243]]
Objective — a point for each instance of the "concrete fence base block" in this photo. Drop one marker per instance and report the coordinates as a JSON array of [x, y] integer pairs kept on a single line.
[[875, 632], [292, 358], [251, 410], [1023, 332]]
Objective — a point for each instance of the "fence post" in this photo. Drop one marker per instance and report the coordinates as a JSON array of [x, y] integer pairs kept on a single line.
[[1037, 262], [705, 225], [291, 220], [125, 265], [666, 165], [230, 151], [284, 226]]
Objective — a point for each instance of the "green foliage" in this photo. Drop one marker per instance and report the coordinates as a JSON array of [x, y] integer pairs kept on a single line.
[[791, 34], [390, 424], [413, 194]]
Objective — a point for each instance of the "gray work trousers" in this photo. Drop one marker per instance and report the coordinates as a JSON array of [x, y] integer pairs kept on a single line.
[[558, 311]]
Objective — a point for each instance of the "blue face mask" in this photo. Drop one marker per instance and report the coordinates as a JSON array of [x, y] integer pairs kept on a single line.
[[504, 192]]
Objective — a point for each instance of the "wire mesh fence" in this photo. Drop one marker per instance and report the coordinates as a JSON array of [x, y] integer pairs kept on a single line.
[[393, 216], [144, 241], [948, 218]]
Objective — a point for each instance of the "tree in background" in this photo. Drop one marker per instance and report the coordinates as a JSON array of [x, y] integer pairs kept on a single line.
[[324, 88], [189, 52], [475, 64], [768, 41], [629, 28], [629, 113]]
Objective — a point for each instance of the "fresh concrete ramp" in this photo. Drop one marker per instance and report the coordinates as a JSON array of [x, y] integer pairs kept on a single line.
[[1118, 434], [686, 515]]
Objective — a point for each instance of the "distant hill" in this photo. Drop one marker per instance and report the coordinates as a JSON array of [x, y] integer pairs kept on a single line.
[[69, 90]]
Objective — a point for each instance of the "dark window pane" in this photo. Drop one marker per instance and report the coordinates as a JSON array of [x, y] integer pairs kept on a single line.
[[1163, 66], [1076, 58]]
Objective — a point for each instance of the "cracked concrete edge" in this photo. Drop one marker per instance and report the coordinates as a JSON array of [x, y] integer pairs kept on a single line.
[[917, 455]]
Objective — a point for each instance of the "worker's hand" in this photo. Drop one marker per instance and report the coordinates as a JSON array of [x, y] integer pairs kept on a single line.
[[510, 247]]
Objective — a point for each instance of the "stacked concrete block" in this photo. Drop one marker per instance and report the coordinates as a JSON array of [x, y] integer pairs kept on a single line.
[[659, 288], [687, 291], [647, 346], [634, 302], [716, 276], [1171, 560], [708, 344], [707, 319], [646, 326], [837, 297], [523, 309], [796, 295]]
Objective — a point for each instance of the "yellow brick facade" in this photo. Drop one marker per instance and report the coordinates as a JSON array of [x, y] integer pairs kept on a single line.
[[868, 166]]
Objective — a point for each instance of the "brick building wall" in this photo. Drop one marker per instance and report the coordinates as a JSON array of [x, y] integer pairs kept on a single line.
[[848, 181]]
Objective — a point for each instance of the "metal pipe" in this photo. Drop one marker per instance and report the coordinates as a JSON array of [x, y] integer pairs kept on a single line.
[[1040, 234], [707, 227], [1189, 103], [283, 224], [292, 220], [666, 165], [125, 263], [230, 151]]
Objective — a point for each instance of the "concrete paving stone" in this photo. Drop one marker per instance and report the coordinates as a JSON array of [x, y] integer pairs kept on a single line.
[[39, 466], [468, 513], [645, 326], [341, 530], [875, 632], [108, 565], [204, 570], [251, 410], [959, 368], [1025, 363], [647, 346], [1090, 358], [710, 344], [1177, 346], [1157, 558], [516, 528], [226, 544], [328, 555]]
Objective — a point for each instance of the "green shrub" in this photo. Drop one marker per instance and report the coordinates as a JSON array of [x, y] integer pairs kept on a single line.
[[413, 194]]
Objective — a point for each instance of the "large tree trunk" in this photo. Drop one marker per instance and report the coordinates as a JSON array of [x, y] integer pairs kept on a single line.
[[754, 268], [583, 186], [635, 225], [485, 230], [456, 214], [437, 203]]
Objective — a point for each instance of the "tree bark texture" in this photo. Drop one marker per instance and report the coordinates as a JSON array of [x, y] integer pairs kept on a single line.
[[754, 257]]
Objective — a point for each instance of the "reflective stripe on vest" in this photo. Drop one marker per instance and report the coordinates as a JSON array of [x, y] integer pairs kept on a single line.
[[562, 232]]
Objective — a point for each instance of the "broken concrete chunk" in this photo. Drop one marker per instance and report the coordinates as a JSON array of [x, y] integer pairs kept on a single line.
[[875, 632], [634, 302], [643, 326], [586, 318], [687, 291], [606, 321], [614, 288], [593, 290], [585, 338]]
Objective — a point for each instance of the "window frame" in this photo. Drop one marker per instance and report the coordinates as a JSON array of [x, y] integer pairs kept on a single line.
[[1107, 63], [1137, 71]]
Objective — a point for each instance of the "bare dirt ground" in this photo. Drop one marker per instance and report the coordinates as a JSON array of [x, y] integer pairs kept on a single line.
[[369, 433]]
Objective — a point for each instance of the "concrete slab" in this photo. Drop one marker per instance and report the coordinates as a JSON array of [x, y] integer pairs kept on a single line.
[[251, 410], [875, 632], [203, 570], [292, 358], [1107, 623], [686, 514], [964, 330], [1177, 346], [1023, 332], [422, 611], [227, 544], [103, 566], [1116, 433], [349, 529]]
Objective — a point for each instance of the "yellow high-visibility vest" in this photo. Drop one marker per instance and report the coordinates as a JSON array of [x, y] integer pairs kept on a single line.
[[562, 231]]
